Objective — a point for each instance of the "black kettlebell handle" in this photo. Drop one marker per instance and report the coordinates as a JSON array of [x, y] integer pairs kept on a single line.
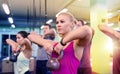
[[60, 55], [53, 62]]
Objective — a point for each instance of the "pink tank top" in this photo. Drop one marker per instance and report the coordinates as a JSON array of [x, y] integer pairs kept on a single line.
[[69, 63]]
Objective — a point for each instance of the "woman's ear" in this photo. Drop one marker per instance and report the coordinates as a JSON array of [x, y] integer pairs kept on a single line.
[[73, 25]]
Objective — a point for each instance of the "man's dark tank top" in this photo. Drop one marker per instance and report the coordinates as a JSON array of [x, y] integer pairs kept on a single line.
[[85, 60]]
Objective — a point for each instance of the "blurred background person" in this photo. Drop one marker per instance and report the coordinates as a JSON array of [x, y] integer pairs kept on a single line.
[[85, 63], [115, 35], [22, 44], [42, 56], [72, 43]]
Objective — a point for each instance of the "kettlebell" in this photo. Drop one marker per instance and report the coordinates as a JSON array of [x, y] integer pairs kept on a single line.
[[53, 63]]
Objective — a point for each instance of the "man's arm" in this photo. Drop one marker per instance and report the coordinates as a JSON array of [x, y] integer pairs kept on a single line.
[[13, 44], [109, 31], [36, 38]]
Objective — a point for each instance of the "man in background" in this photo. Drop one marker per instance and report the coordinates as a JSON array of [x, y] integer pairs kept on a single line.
[[85, 63], [42, 57]]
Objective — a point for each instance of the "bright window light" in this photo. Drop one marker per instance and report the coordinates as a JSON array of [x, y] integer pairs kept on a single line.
[[111, 63], [118, 10], [109, 15], [91, 61], [110, 24], [6, 8], [109, 45], [85, 22], [10, 19]]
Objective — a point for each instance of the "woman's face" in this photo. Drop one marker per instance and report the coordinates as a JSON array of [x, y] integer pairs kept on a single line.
[[19, 38], [63, 24]]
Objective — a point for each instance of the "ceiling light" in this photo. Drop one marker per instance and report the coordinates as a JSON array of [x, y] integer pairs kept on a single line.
[[13, 26], [64, 10], [6, 8], [79, 0], [10, 19], [49, 21], [42, 27]]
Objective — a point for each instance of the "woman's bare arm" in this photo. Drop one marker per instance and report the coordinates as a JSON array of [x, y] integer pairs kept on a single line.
[[13, 44], [83, 35], [27, 44]]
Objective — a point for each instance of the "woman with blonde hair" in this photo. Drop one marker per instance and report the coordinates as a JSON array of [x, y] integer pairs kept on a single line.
[[72, 43]]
